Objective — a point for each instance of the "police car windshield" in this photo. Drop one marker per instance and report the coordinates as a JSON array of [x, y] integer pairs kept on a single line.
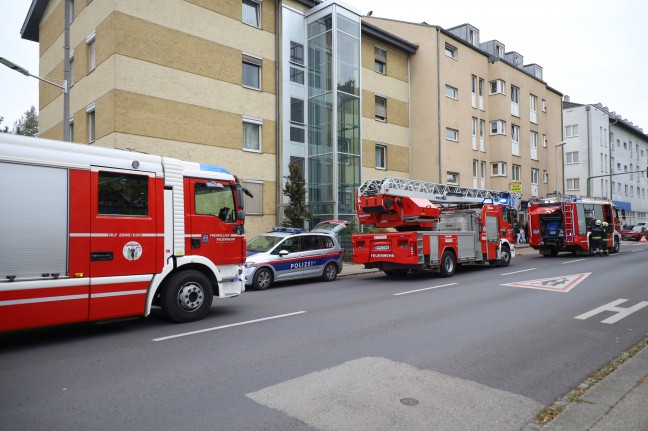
[[263, 243]]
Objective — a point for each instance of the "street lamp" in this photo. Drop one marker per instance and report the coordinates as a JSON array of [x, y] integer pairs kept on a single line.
[[66, 98], [559, 144]]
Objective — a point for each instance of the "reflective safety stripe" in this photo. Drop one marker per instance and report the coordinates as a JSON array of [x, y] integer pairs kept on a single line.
[[45, 299], [128, 292]]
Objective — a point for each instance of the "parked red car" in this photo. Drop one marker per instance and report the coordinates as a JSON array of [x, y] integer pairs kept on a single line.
[[634, 233]]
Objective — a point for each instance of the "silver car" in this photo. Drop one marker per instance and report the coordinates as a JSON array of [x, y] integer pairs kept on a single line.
[[289, 254]]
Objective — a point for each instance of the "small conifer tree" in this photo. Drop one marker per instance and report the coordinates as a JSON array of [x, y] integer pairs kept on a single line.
[[296, 212]]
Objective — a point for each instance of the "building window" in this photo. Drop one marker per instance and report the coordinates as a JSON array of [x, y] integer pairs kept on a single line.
[[497, 86], [297, 53], [515, 140], [572, 184], [544, 105], [498, 127], [252, 134], [482, 131], [381, 108], [450, 51], [571, 131], [534, 145], [252, 12], [296, 75], [381, 156], [544, 141], [252, 71], [572, 158], [534, 176], [545, 177], [498, 169], [533, 108], [516, 172], [515, 101], [253, 206], [297, 126], [451, 92], [452, 134], [380, 60], [452, 178], [92, 60], [90, 121], [499, 51], [474, 133]]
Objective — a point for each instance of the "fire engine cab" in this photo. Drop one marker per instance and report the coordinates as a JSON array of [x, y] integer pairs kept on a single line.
[[561, 224], [91, 233], [437, 226]]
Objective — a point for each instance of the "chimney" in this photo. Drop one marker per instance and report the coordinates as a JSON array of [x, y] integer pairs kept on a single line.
[[566, 98]]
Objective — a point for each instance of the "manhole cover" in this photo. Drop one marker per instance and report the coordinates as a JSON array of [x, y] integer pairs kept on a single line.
[[409, 401]]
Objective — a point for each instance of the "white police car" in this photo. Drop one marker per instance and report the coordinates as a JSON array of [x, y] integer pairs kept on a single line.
[[290, 253]]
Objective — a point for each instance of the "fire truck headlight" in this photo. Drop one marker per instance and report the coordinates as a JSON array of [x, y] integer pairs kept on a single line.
[[249, 264]]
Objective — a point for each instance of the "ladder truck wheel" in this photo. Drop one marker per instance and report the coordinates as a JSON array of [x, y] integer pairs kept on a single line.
[[448, 264], [330, 272], [186, 296], [506, 257]]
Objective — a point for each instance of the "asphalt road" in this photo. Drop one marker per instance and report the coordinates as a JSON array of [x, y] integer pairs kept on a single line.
[[485, 349]]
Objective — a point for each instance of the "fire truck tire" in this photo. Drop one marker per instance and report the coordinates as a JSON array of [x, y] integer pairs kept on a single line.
[[615, 247], [506, 257], [262, 279], [330, 272], [186, 296], [448, 264], [395, 273]]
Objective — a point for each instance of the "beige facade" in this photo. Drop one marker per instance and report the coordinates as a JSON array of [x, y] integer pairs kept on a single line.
[[444, 110]]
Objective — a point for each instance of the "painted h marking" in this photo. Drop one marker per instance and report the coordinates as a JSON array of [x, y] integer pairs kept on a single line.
[[612, 306]]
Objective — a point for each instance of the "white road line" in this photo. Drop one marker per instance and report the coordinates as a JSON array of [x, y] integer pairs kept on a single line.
[[572, 261], [427, 288], [517, 272], [638, 249], [227, 326]]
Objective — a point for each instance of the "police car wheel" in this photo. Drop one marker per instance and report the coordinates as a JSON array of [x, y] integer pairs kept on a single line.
[[186, 296], [262, 279], [330, 272]]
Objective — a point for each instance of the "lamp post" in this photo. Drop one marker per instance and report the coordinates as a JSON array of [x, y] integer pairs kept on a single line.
[[559, 144], [64, 87]]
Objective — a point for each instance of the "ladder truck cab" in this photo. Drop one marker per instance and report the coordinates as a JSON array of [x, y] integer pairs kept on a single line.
[[437, 227], [91, 233], [562, 224]]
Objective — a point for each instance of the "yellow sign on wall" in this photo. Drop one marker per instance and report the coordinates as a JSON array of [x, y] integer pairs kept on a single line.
[[515, 186]]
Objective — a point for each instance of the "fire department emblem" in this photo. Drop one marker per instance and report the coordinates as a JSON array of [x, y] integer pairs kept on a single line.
[[132, 250]]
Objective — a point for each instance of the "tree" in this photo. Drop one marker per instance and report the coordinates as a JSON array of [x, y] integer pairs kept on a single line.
[[295, 190], [6, 129], [28, 123]]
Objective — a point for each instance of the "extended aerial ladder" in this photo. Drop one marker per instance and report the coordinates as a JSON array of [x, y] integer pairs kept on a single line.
[[405, 203]]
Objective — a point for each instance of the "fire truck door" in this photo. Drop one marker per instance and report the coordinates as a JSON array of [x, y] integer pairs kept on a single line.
[[123, 223], [211, 219], [492, 233]]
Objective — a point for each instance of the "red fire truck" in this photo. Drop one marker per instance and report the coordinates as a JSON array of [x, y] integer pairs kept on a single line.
[[437, 226], [561, 224], [92, 233]]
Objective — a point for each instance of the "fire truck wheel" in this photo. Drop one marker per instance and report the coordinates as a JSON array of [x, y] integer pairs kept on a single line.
[[506, 257], [330, 272], [395, 273], [615, 247], [187, 296], [262, 279], [448, 264]]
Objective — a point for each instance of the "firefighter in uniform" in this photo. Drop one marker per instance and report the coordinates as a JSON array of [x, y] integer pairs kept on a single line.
[[595, 237], [604, 236]]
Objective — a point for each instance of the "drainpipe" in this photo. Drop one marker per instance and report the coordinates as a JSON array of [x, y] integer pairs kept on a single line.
[[409, 114], [279, 168], [438, 30]]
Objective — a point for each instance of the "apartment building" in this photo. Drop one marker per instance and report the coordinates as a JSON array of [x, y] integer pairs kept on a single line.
[[606, 156], [255, 85], [481, 117]]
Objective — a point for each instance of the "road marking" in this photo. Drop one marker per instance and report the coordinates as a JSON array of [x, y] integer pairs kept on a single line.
[[612, 306], [427, 288], [572, 261], [227, 326], [637, 249], [563, 283], [517, 272]]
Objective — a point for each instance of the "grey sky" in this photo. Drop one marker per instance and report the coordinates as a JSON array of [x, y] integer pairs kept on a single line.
[[592, 50]]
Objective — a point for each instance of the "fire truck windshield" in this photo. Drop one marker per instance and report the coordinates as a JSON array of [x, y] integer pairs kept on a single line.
[[210, 200]]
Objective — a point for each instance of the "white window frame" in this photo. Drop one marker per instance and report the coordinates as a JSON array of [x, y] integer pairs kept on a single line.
[[571, 158], [544, 105], [573, 184], [473, 94], [482, 134], [252, 61], [545, 177], [451, 92], [474, 133], [380, 60], [498, 169], [571, 131], [500, 127], [381, 149], [515, 101], [515, 140], [377, 115], [533, 108], [499, 87], [452, 178], [452, 134], [533, 144], [91, 122], [516, 172], [451, 51], [256, 122], [92, 51], [257, 9]]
